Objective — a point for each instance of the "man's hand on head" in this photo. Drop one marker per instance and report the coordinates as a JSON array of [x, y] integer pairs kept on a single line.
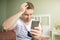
[[23, 7]]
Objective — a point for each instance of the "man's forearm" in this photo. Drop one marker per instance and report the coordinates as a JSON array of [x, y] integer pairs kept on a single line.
[[40, 38], [10, 21], [37, 39]]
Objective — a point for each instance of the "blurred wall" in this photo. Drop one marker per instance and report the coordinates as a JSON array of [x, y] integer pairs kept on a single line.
[[3, 4]]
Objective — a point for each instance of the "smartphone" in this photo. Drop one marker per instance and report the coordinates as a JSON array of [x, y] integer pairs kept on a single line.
[[34, 24]]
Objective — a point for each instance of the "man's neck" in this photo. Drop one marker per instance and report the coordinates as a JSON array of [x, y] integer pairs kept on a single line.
[[26, 23]]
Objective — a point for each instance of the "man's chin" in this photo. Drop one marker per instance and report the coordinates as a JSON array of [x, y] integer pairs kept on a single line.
[[28, 20]]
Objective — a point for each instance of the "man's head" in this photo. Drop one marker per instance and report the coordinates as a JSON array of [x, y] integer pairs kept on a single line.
[[27, 15], [30, 5]]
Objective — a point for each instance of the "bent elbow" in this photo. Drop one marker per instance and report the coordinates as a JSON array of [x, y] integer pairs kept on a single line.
[[4, 27]]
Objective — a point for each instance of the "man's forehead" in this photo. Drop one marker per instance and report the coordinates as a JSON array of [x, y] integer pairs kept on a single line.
[[29, 11]]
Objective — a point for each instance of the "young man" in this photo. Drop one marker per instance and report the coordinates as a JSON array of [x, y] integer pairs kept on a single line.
[[21, 23]]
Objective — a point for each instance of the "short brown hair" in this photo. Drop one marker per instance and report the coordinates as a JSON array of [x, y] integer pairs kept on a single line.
[[30, 5]]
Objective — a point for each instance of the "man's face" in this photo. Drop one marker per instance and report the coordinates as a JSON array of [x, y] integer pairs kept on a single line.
[[27, 15]]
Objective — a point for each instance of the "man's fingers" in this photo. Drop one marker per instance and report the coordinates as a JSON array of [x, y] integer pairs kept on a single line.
[[35, 31], [24, 5], [37, 28]]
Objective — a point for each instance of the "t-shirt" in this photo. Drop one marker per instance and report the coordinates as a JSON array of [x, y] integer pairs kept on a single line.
[[22, 30]]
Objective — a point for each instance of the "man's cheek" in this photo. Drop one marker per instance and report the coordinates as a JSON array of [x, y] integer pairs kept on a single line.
[[26, 16]]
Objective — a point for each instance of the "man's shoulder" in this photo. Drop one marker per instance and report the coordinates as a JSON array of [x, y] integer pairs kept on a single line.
[[19, 22]]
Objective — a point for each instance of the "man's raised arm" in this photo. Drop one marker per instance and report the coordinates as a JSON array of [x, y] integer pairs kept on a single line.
[[12, 20]]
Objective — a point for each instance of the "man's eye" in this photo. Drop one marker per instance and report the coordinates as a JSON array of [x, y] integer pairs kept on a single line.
[[25, 14]]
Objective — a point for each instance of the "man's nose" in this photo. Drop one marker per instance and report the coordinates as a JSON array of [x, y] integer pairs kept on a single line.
[[29, 16]]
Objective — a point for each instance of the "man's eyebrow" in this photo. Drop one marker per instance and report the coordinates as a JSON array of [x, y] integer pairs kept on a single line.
[[25, 14]]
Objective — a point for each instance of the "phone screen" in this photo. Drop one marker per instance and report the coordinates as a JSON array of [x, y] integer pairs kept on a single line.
[[34, 24]]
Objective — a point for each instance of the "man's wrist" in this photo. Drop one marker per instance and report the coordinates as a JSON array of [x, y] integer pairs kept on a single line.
[[20, 13], [37, 38]]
